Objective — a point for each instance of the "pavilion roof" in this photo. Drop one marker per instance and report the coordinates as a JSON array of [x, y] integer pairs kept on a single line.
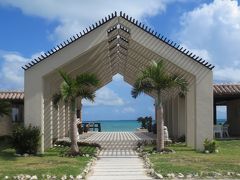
[[130, 20], [226, 89], [11, 95]]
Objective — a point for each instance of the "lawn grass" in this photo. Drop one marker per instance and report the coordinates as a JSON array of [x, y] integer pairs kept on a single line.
[[51, 163], [188, 161]]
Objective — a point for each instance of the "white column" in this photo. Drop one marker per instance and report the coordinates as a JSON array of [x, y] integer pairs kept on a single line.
[[175, 117], [33, 103], [181, 116], [190, 124], [48, 118], [204, 109], [51, 123], [61, 120], [66, 120]]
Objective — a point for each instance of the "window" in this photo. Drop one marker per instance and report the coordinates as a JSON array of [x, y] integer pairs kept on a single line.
[[221, 114], [17, 113]]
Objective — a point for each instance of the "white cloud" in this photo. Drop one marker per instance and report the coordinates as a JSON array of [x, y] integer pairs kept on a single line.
[[76, 15], [117, 78], [212, 30], [222, 109], [106, 97], [128, 110], [227, 74], [11, 73]]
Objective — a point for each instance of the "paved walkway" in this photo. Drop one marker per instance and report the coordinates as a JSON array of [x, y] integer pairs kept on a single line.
[[118, 160]]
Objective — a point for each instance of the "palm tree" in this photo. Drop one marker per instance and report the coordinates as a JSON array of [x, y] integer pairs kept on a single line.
[[72, 92], [155, 79], [4, 108]]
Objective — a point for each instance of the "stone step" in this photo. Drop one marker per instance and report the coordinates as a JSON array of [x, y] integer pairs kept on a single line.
[[105, 156], [116, 173], [122, 167], [132, 177], [119, 170], [118, 163]]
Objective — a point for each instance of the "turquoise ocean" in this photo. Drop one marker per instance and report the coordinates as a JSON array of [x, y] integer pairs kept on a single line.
[[125, 125], [118, 125]]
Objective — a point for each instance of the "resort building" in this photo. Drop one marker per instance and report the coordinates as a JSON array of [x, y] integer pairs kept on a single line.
[[16, 100]]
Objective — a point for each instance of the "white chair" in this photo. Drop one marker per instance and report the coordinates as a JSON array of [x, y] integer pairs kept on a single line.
[[225, 130], [218, 129]]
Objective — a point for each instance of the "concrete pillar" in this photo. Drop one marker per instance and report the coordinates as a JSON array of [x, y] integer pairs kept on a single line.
[[48, 119], [175, 117], [51, 123], [58, 122], [181, 116], [66, 120], [61, 120], [190, 119], [170, 124], [33, 103], [204, 109]]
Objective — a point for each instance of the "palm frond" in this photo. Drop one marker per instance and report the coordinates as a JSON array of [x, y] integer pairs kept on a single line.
[[71, 88], [155, 78], [66, 90], [86, 93], [5, 107], [180, 83], [142, 85], [87, 79], [66, 77]]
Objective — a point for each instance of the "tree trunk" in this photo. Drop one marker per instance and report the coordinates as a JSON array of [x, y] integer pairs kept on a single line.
[[73, 130], [79, 109], [160, 124]]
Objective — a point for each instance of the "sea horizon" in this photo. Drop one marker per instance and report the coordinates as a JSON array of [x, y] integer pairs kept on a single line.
[[128, 125]]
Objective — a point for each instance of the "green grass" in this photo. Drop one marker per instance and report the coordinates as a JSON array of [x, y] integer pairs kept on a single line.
[[187, 160], [50, 163]]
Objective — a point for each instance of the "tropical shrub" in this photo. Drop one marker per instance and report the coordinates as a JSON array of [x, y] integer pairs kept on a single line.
[[5, 108], [181, 139], [143, 122], [210, 146], [68, 144], [146, 123], [26, 139]]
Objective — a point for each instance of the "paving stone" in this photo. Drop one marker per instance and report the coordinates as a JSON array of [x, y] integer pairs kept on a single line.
[[118, 160]]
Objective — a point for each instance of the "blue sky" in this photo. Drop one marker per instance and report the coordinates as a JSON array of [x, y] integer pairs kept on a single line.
[[208, 28]]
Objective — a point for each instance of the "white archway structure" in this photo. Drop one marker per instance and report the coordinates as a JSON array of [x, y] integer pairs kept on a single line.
[[120, 44]]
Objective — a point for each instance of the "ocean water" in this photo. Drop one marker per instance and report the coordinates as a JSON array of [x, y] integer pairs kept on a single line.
[[118, 125], [126, 125], [221, 121]]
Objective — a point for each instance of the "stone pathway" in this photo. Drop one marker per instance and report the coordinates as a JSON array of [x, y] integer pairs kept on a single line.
[[118, 160]]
